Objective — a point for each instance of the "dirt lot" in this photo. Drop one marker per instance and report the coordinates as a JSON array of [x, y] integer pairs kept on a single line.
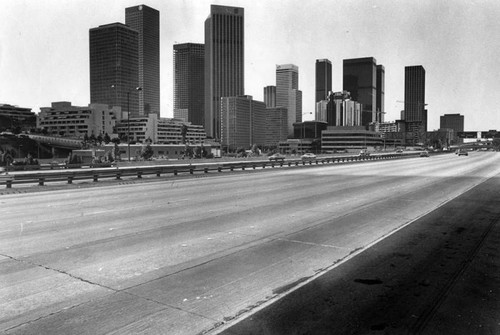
[[439, 275]]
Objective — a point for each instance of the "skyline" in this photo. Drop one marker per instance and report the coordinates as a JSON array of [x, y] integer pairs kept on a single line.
[[44, 54]]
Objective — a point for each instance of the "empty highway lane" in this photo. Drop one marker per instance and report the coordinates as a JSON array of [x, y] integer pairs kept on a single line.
[[183, 256]]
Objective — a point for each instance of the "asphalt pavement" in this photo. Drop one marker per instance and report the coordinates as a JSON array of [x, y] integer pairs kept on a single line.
[[191, 255]]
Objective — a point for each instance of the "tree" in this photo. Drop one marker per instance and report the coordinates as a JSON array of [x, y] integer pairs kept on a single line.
[[496, 143], [116, 151], [99, 139], [106, 138], [116, 140], [184, 129], [240, 152], [147, 152], [255, 150], [92, 139], [188, 151]]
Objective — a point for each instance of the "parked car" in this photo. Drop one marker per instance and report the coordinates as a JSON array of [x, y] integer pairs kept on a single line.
[[424, 153], [399, 151], [277, 157], [462, 152], [364, 153], [308, 157]]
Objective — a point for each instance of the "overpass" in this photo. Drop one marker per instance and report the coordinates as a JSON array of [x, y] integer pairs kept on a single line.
[[56, 142]]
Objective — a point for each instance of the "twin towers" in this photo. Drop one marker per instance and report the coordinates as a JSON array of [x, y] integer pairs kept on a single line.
[[124, 57]]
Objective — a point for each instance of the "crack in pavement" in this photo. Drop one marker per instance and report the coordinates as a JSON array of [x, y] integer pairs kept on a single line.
[[114, 291]]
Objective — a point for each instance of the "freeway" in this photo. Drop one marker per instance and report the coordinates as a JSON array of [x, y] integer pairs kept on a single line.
[[187, 256]]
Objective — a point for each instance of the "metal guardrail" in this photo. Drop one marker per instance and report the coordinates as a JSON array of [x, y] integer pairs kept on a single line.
[[41, 177]]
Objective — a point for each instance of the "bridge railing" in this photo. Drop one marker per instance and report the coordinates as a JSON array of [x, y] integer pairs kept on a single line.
[[95, 174]]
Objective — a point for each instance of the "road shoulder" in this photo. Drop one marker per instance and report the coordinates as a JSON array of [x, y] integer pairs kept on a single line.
[[439, 275]]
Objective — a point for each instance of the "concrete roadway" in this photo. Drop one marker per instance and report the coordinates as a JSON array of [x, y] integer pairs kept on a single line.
[[185, 256]]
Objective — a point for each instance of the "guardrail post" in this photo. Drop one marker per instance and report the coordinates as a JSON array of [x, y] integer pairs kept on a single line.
[[231, 168], [219, 169], [205, 170], [296, 163], [264, 165], [175, 172], [303, 162], [8, 183], [41, 181], [139, 174], [70, 179], [253, 166], [289, 163], [242, 168], [118, 175], [96, 177], [158, 173], [191, 171]]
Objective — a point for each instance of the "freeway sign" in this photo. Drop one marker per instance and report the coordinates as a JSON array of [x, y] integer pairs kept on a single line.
[[467, 134], [490, 134]]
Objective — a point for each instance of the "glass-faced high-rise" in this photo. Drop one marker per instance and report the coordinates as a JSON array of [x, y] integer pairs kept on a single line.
[[146, 21], [380, 93], [288, 94], [114, 66], [323, 79], [189, 67], [360, 79], [415, 94], [224, 61]]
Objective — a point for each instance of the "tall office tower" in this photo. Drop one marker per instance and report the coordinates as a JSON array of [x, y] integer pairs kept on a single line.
[[189, 83], [146, 21], [288, 94], [243, 122], [323, 79], [360, 79], [380, 109], [415, 113], [276, 125], [114, 66], [270, 96], [224, 62], [453, 121]]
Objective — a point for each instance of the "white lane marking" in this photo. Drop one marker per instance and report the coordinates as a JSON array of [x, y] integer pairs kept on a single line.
[[315, 244]]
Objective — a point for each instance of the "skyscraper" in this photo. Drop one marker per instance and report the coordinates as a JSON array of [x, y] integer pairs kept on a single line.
[[224, 61], [323, 79], [114, 66], [270, 96], [189, 83], [380, 109], [452, 121], [146, 21], [414, 112], [243, 122], [360, 79], [288, 94]]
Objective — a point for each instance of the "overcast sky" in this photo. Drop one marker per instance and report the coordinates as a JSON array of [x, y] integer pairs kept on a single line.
[[44, 48]]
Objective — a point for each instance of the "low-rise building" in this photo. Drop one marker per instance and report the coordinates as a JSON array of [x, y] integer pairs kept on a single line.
[[14, 118], [298, 146], [350, 138], [63, 119], [160, 130]]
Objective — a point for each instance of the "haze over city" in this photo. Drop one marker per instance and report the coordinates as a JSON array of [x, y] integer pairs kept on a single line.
[[44, 50]]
